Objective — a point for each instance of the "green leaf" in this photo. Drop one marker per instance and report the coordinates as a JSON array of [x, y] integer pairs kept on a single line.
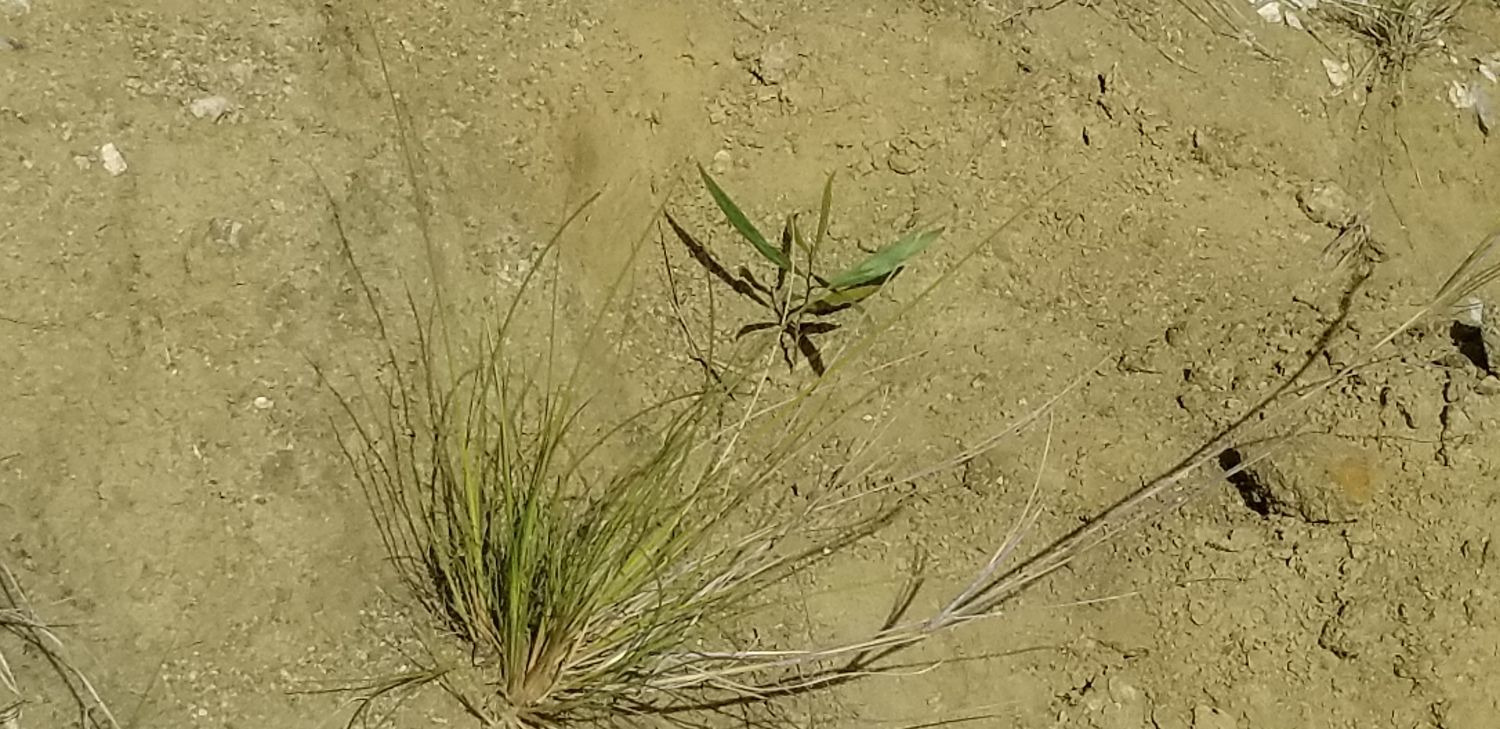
[[811, 249], [742, 223], [884, 261]]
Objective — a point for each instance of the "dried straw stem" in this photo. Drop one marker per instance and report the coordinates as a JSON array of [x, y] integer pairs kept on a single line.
[[19, 619]]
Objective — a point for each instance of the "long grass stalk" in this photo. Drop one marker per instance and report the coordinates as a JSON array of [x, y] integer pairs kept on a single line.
[[19, 620]]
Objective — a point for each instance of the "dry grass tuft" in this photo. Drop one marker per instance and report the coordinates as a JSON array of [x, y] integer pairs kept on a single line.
[[1399, 31], [583, 588]]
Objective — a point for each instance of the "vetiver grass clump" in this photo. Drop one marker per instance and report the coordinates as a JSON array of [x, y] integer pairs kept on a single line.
[[580, 584]]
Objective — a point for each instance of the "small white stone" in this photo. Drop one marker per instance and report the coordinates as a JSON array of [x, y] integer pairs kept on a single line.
[[1460, 95], [263, 403], [114, 162], [1470, 311], [1484, 109], [722, 161], [1339, 72], [212, 108], [1489, 67]]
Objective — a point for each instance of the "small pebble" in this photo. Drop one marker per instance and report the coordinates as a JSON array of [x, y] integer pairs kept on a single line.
[[722, 161], [263, 403], [1176, 335], [1470, 311], [226, 232], [212, 108], [114, 162], [901, 163]]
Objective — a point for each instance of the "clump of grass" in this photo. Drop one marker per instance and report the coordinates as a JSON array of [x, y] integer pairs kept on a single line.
[[1398, 31], [593, 589], [580, 588], [20, 621]]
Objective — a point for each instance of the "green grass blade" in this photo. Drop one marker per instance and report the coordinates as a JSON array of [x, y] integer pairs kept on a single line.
[[824, 208], [797, 236], [885, 261], [742, 224]]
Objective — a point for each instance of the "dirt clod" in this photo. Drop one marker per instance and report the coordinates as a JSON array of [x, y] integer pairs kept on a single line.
[[1319, 480], [1326, 203], [901, 163], [776, 63], [1210, 717], [212, 108]]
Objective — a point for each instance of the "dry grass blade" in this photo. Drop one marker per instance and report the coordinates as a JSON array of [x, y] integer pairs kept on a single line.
[[1480, 268], [19, 620], [987, 592]]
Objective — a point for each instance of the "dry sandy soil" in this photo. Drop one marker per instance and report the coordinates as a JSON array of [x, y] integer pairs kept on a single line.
[[170, 486]]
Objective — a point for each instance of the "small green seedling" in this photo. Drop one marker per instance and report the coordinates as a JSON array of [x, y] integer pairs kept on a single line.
[[801, 299]]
